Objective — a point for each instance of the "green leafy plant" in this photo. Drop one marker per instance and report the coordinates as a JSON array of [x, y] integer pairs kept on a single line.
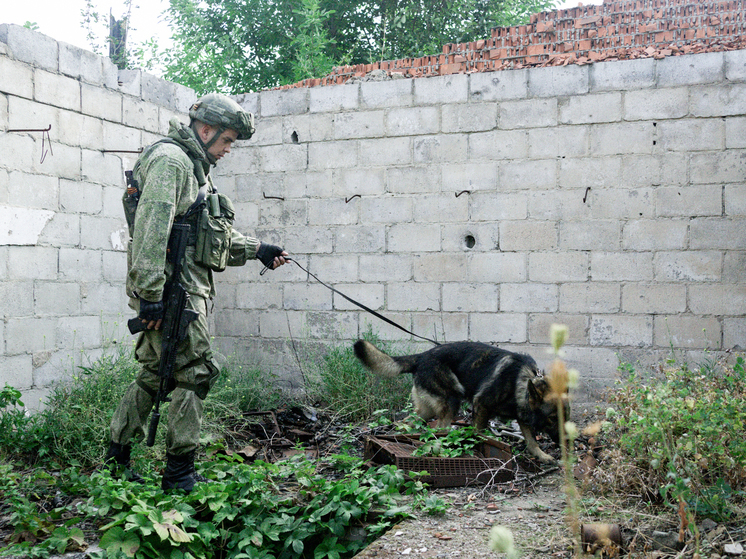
[[453, 444]]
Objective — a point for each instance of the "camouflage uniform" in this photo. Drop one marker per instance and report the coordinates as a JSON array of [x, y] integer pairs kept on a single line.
[[169, 181]]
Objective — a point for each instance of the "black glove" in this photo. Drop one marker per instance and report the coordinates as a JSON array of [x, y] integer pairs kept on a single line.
[[268, 253], [150, 311]]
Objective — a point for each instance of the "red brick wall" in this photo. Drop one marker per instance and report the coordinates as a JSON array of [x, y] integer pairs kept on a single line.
[[614, 30]]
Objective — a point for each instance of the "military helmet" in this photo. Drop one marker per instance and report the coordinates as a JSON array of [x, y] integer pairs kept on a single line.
[[222, 111]]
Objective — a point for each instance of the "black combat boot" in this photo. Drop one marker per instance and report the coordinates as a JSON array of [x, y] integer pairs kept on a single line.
[[118, 457], [180, 472]]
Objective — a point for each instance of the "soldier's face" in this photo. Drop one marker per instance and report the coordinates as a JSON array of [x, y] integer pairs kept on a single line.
[[222, 145]]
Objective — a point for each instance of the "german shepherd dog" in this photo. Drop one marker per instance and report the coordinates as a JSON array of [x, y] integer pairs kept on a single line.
[[499, 383]]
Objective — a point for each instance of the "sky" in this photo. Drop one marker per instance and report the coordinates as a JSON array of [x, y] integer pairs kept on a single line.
[[61, 20]]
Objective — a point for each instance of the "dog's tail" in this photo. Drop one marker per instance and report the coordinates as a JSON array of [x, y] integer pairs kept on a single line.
[[380, 362]]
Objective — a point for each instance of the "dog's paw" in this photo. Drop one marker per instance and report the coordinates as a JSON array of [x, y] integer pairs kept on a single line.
[[545, 458]]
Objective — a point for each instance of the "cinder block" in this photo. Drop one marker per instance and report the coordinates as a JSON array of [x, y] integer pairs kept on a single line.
[[233, 322], [333, 155], [104, 233], [248, 101], [332, 266], [718, 101], [369, 294], [139, 114], [559, 142], [441, 208], [649, 298], [470, 237], [620, 203], [735, 132], [18, 78], [558, 267], [449, 327], [17, 295], [594, 297], [32, 262], [63, 163], [471, 117], [61, 230], [498, 86], [691, 332], [101, 103], [498, 328], [33, 191], [3, 262], [718, 167], [593, 172], [416, 237], [717, 233], [735, 200], [528, 235], [26, 335], [79, 130], [497, 206], [532, 175], [303, 128], [284, 102], [331, 212], [115, 268], [334, 98], [413, 121], [439, 267], [362, 181], [282, 324], [622, 266], [30, 47], [622, 138], [385, 267], [556, 81], [25, 114], [18, 373], [469, 176], [539, 325], [360, 239], [659, 234], [79, 331], [130, 82], [105, 297], [689, 201], [121, 138], [80, 265], [413, 296], [622, 75], [4, 112], [441, 89], [499, 144], [386, 209], [309, 240], [592, 234], [529, 297], [528, 113], [284, 158], [286, 213], [735, 66], [367, 124], [56, 90], [307, 297], [440, 148], [249, 297], [392, 93], [734, 333], [385, 331], [409, 180], [718, 299], [649, 104], [332, 325], [690, 69], [690, 135], [171, 95], [634, 331], [590, 109], [465, 297], [497, 267], [701, 266], [654, 170], [391, 151]]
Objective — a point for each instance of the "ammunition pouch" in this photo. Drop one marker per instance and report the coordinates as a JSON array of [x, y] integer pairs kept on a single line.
[[213, 232]]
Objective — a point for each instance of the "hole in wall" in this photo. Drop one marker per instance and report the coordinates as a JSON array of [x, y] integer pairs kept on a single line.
[[294, 138], [469, 241]]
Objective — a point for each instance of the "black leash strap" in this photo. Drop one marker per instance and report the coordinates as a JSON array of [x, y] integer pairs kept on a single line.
[[371, 311]]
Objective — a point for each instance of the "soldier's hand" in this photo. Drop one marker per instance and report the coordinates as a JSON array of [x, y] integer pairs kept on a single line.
[[151, 314], [271, 256]]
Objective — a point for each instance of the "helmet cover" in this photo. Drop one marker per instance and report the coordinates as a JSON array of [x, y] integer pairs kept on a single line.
[[219, 110]]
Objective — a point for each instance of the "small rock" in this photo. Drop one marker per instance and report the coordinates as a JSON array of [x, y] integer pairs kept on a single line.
[[733, 549]]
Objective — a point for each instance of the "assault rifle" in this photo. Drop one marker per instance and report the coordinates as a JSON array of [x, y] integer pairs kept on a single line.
[[176, 319]]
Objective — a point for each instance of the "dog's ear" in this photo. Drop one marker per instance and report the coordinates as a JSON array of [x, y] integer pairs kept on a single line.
[[537, 389]]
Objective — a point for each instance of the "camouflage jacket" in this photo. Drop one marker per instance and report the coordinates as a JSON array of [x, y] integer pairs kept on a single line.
[[168, 185]]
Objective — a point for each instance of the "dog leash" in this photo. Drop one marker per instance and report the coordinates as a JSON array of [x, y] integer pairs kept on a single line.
[[351, 300]]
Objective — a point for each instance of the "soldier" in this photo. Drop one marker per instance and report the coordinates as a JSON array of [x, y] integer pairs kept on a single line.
[[171, 182]]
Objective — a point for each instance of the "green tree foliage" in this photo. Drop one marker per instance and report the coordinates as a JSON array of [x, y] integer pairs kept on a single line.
[[237, 46]]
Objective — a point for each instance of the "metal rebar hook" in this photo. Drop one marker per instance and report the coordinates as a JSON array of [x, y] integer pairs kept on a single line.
[[45, 137]]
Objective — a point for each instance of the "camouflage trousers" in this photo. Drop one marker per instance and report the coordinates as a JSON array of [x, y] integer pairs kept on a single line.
[[195, 372]]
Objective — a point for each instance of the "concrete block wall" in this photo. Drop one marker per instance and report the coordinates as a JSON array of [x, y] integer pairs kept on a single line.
[[486, 206], [62, 229]]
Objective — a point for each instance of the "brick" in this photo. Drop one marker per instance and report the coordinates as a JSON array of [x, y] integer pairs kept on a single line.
[[333, 98], [717, 233], [660, 234], [465, 297], [690, 135], [497, 267], [394, 151], [369, 294], [591, 109], [80, 64], [587, 297], [559, 142], [469, 176], [595, 234], [439, 267], [248, 297], [624, 138], [413, 296], [56, 90], [17, 78], [528, 235], [411, 180], [691, 332], [690, 69], [440, 148], [552, 267], [648, 298], [441, 208], [469, 117], [367, 124], [332, 155], [532, 175], [412, 121], [717, 299], [558, 80], [284, 102], [441, 89], [386, 209], [634, 331], [166, 94], [286, 214], [4, 112], [498, 86], [383, 95], [718, 167], [499, 144], [104, 233], [649, 104], [528, 113], [540, 323], [417, 238], [80, 197], [385, 267], [359, 239], [498, 328], [470, 237], [529, 297]]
